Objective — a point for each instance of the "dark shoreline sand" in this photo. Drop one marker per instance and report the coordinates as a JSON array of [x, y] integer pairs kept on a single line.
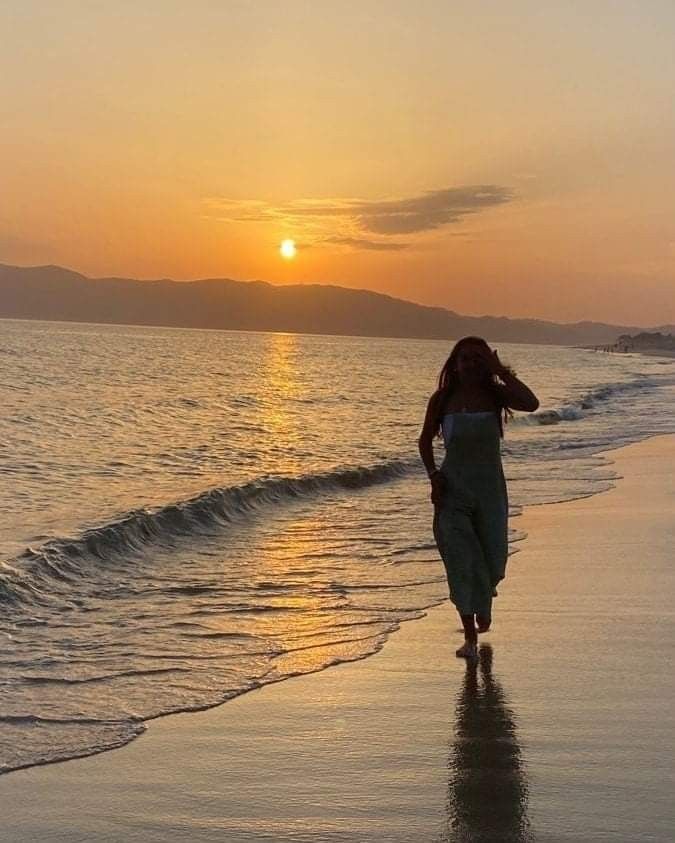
[[563, 733]]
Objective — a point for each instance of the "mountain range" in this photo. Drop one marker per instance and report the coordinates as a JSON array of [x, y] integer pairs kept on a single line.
[[55, 293]]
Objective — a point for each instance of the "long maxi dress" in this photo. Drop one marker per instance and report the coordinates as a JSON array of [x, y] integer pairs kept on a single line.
[[471, 522]]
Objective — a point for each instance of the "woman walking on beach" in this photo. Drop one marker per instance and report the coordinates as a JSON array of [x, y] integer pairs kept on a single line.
[[475, 393]]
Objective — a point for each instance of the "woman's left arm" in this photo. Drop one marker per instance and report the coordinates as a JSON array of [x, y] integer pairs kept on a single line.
[[515, 394]]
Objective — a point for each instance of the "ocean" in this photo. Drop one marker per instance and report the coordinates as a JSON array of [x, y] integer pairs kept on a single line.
[[192, 514]]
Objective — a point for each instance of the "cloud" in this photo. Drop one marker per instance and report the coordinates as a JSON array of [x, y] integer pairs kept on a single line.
[[429, 211], [346, 221], [363, 243]]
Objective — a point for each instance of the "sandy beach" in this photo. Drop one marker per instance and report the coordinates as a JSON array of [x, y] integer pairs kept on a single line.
[[562, 732]]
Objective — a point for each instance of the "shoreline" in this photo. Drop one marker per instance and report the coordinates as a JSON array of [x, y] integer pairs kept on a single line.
[[385, 747], [666, 353]]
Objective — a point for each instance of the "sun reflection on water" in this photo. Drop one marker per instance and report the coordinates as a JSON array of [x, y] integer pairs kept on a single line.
[[283, 388]]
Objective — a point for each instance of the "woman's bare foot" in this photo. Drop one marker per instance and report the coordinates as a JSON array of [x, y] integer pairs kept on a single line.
[[483, 623], [468, 650]]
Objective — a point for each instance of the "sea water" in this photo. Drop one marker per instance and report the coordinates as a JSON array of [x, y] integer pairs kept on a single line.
[[192, 514]]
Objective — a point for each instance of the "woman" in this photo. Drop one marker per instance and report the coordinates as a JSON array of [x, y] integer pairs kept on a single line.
[[474, 397]]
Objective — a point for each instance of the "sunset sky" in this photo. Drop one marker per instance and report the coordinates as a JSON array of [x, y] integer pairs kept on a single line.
[[512, 158]]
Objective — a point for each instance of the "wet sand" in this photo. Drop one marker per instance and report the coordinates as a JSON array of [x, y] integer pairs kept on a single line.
[[562, 732]]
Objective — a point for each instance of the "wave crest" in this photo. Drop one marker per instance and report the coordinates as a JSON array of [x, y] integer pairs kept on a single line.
[[33, 575], [575, 410]]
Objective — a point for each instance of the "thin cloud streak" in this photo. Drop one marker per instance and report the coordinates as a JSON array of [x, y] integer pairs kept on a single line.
[[370, 245], [429, 211]]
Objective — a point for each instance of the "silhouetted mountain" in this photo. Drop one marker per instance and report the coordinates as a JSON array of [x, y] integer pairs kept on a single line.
[[54, 293]]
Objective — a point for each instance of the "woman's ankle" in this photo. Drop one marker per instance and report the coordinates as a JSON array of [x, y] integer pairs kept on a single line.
[[469, 625]]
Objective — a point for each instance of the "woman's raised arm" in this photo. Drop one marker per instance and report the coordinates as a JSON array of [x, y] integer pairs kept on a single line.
[[515, 394]]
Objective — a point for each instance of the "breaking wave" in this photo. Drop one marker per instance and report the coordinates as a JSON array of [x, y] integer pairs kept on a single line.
[[31, 576], [589, 402]]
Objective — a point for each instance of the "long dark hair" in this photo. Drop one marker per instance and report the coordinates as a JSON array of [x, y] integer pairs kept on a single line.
[[448, 381]]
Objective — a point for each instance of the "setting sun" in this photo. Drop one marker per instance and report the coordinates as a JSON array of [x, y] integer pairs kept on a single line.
[[288, 249]]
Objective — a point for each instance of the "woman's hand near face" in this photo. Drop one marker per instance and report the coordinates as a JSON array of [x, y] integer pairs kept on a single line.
[[491, 361], [515, 394]]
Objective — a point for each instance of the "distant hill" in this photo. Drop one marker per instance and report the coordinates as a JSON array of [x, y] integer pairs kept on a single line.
[[54, 293]]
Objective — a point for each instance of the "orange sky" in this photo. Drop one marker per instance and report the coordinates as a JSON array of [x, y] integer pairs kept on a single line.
[[505, 158]]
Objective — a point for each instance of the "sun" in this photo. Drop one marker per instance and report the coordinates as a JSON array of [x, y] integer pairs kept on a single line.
[[288, 249]]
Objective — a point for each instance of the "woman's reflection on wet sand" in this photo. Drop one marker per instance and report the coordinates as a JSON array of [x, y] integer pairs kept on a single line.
[[488, 787]]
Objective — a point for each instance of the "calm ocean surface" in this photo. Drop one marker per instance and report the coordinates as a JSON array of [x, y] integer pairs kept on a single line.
[[191, 514]]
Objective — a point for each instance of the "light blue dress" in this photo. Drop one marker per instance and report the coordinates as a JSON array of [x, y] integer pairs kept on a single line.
[[470, 524]]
